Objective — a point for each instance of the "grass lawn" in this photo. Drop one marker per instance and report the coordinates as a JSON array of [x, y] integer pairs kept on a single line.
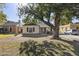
[[6, 35], [54, 48], [11, 47]]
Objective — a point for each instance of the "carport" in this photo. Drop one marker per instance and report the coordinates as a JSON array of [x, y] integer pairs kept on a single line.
[[3, 30]]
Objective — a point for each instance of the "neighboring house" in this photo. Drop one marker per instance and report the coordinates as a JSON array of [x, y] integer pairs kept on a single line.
[[10, 27], [64, 28], [39, 28]]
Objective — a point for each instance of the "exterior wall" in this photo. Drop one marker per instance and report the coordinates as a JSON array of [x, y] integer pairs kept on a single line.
[[31, 26], [64, 28], [16, 29], [44, 29], [12, 29], [47, 29]]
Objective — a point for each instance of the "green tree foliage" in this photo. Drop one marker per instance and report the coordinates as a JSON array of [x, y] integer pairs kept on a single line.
[[2, 17], [62, 13], [29, 20]]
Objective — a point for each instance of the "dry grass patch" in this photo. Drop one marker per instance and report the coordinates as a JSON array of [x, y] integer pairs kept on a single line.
[[9, 48], [6, 35]]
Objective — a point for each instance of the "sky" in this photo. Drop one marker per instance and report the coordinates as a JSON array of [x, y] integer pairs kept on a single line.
[[11, 11]]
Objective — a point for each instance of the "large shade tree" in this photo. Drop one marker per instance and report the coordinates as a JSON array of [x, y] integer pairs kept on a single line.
[[29, 20], [2, 15], [44, 12]]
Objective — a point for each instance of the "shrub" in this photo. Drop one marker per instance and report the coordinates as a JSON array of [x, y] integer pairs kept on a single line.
[[33, 48]]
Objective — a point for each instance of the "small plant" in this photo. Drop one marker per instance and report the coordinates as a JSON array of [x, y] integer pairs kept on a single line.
[[33, 48]]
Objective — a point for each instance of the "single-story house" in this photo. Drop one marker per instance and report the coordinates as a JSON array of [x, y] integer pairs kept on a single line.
[[10, 27], [39, 28]]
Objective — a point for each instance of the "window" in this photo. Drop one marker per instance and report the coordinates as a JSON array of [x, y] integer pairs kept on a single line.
[[32, 29], [27, 29]]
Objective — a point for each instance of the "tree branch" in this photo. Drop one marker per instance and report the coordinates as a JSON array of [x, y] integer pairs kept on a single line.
[[41, 18]]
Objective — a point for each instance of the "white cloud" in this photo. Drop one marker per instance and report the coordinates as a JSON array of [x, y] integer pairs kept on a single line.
[[21, 4]]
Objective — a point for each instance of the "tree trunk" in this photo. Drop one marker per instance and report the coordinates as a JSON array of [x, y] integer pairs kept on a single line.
[[51, 28], [51, 32], [56, 28]]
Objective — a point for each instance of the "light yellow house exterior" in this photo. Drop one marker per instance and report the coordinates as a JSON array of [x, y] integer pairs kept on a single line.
[[64, 28]]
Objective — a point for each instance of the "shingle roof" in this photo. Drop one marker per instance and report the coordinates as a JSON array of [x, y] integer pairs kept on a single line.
[[42, 24], [10, 23]]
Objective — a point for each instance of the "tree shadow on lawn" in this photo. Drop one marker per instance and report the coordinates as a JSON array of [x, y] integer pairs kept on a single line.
[[75, 45], [49, 48]]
